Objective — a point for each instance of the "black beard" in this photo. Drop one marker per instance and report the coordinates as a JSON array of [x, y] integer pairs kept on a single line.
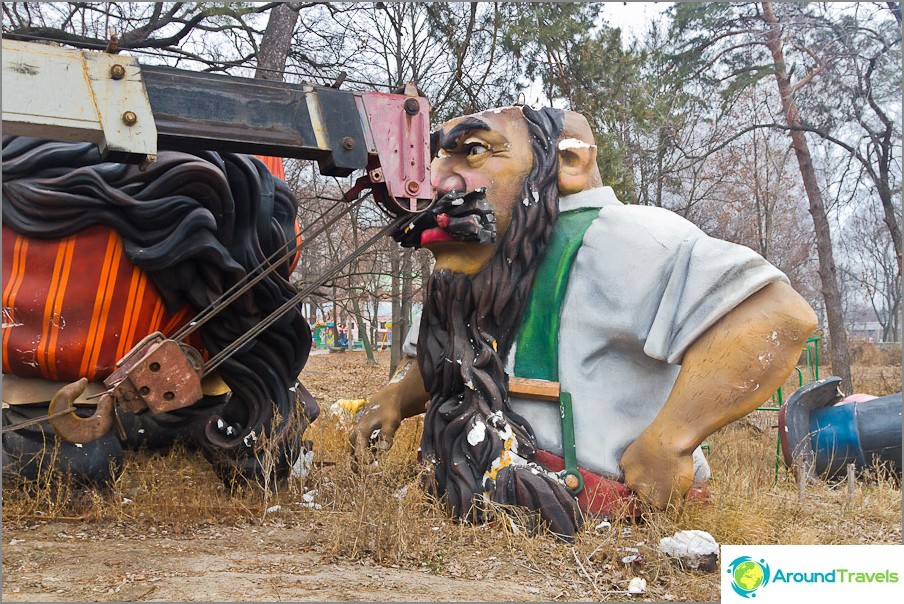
[[468, 327]]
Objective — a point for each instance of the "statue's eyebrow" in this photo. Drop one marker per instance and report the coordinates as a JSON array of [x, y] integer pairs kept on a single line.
[[449, 140]]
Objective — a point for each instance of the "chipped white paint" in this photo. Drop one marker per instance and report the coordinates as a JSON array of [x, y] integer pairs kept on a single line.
[[9, 318], [399, 375], [573, 143], [477, 434]]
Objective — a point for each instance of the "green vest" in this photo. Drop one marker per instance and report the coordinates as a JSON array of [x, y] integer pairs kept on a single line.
[[537, 352]]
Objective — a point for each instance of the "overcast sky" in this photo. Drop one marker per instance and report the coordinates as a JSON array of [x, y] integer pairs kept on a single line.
[[633, 17]]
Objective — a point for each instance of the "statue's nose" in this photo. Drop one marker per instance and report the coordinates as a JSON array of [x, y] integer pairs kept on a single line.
[[449, 182]]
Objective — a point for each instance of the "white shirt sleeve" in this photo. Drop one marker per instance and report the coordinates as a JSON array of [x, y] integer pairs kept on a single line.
[[409, 346], [663, 279]]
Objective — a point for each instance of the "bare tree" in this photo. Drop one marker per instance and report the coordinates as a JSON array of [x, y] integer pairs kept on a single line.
[[871, 267]]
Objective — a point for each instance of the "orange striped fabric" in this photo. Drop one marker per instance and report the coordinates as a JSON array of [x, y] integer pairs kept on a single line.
[[72, 307], [274, 164]]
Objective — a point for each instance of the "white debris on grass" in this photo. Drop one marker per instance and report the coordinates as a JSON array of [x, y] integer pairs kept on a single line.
[[126, 500], [273, 509], [15, 541], [307, 500], [637, 585], [303, 465], [692, 549], [605, 524]]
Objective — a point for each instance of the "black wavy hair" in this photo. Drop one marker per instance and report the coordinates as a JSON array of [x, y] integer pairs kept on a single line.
[[196, 223]]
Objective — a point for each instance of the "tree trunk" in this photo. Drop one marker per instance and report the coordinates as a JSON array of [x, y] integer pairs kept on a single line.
[[274, 48], [365, 340], [425, 276], [395, 348], [405, 308], [891, 218], [335, 329], [839, 353]]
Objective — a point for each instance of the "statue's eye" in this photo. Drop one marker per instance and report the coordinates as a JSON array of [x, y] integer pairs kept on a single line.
[[476, 148], [442, 154]]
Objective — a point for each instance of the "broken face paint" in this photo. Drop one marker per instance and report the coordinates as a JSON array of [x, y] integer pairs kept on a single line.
[[456, 216]]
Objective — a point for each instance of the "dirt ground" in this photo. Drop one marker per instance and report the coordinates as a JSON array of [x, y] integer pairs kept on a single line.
[[85, 562], [168, 532], [284, 557]]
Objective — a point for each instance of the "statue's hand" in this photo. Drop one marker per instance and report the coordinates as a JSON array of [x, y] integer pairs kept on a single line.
[[657, 472], [376, 428]]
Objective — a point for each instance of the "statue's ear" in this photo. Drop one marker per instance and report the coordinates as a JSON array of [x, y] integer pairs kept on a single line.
[[577, 166]]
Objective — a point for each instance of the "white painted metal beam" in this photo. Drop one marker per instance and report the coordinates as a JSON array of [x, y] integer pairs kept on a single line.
[[64, 94]]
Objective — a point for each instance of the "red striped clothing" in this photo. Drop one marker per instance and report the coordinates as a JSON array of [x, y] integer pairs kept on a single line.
[[74, 306]]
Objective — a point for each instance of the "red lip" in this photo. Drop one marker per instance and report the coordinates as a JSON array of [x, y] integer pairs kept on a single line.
[[435, 234]]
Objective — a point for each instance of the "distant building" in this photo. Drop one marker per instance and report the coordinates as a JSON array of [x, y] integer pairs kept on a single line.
[[868, 331]]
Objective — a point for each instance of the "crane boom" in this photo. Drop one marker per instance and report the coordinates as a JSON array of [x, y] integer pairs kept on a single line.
[[129, 109]]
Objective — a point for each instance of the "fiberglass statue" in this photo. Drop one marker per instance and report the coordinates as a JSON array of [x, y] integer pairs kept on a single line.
[[654, 334], [98, 255]]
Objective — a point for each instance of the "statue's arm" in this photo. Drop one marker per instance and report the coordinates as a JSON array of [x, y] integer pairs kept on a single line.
[[729, 371], [404, 396]]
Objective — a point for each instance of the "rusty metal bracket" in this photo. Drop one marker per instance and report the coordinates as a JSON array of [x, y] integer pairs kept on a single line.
[[159, 375]]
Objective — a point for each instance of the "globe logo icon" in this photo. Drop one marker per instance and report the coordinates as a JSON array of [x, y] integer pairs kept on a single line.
[[748, 575]]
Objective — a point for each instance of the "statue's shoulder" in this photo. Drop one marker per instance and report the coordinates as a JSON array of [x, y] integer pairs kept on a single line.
[[634, 225]]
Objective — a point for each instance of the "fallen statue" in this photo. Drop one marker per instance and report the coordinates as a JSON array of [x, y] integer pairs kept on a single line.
[[646, 334]]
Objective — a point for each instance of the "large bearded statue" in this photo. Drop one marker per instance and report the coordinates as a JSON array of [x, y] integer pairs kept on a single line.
[[662, 334]]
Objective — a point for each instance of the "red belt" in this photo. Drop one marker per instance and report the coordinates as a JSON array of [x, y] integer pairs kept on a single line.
[[603, 496]]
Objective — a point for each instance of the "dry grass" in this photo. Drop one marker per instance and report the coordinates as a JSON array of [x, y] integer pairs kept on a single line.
[[381, 514]]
